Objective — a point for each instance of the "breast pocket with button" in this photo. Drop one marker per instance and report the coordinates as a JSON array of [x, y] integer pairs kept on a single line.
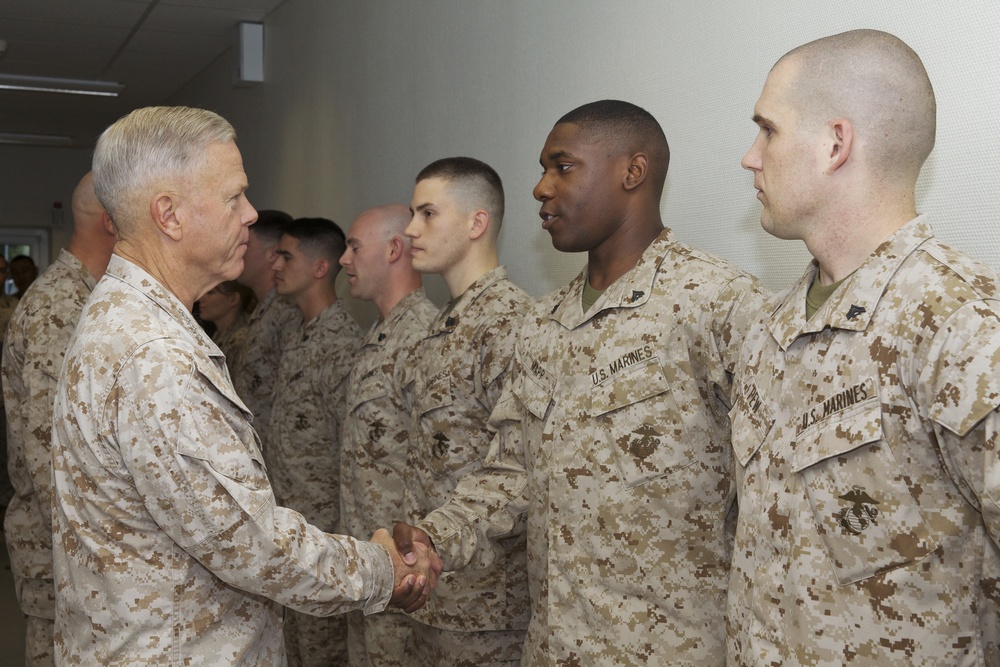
[[863, 508]]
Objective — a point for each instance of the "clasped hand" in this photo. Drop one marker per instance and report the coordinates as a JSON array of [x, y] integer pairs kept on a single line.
[[415, 570]]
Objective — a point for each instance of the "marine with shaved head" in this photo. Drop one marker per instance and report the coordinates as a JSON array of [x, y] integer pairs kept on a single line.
[[612, 450], [34, 348], [865, 426], [374, 435]]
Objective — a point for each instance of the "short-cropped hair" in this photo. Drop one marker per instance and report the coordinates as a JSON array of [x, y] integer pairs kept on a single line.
[[270, 224], [148, 144], [625, 129], [318, 238], [476, 183]]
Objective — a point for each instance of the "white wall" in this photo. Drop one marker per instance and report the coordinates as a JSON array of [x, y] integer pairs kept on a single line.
[[360, 94]]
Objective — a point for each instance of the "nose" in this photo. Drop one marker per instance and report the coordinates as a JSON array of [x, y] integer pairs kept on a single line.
[[278, 263], [345, 259], [751, 160], [250, 214], [411, 229], [543, 189]]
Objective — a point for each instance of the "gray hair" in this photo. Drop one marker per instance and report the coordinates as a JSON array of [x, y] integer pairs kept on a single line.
[[146, 146]]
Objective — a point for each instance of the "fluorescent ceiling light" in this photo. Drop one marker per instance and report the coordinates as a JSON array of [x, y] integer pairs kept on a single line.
[[47, 84], [22, 139]]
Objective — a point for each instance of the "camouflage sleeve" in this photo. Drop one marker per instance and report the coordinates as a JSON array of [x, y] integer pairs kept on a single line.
[[960, 388], [34, 383], [496, 348], [489, 503], [738, 305], [202, 480]]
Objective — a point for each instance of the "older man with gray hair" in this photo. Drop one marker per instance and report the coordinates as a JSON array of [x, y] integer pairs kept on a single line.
[[168, 546]]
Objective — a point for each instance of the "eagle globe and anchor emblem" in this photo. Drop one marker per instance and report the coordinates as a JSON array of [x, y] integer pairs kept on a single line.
[[861, 514]]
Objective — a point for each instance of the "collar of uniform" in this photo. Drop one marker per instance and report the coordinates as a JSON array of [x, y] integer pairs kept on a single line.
[[333, 312], [139, 279], [73, 263], [377, 333], [264, 305], [852, 306], [629, 291], [449, 318]]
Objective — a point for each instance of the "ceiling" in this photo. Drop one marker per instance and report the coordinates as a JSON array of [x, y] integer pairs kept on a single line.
[[153, 47]]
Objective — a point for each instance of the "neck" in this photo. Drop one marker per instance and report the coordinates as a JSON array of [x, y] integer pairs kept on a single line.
[[262, 285], [841, 246], [92, 245], [314, 301], [397, 290], [619, 254], [468, 271], [165, 269]]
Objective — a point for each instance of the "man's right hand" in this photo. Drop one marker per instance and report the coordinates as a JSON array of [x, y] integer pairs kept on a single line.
[[415, 576]]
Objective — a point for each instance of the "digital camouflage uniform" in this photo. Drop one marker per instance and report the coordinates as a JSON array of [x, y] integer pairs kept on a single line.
[[613, 446], [232, 339], [374, 441], [460, 372], [869, 475], [255, 365], [7, 306], [168, 545], [304, 454], [34, 348]]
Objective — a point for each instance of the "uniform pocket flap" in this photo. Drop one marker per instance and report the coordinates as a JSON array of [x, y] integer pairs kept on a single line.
[[838, 433], [531, 388], [369, 389], [435, 393], [626, 387]]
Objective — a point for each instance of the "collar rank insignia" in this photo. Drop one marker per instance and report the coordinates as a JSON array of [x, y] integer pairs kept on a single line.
[[636, 295], [381, 337], [861, 514], [450, 322], [854, 311]]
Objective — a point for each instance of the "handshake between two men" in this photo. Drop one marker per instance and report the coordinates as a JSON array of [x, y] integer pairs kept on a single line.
[[415, 564]]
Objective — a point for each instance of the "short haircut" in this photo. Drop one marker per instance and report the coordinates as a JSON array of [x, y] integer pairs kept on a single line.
[[269, 226], [147, 146], [625, 129], [879, 83], [473, 183], [319, 238], [22, 258]]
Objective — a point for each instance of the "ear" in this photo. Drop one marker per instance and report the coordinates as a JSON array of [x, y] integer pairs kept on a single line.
[[395, 249], [841, 136], [233, 299], [163, 209], [637, 170], [480, 223], [106, 224], [321, 268]]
